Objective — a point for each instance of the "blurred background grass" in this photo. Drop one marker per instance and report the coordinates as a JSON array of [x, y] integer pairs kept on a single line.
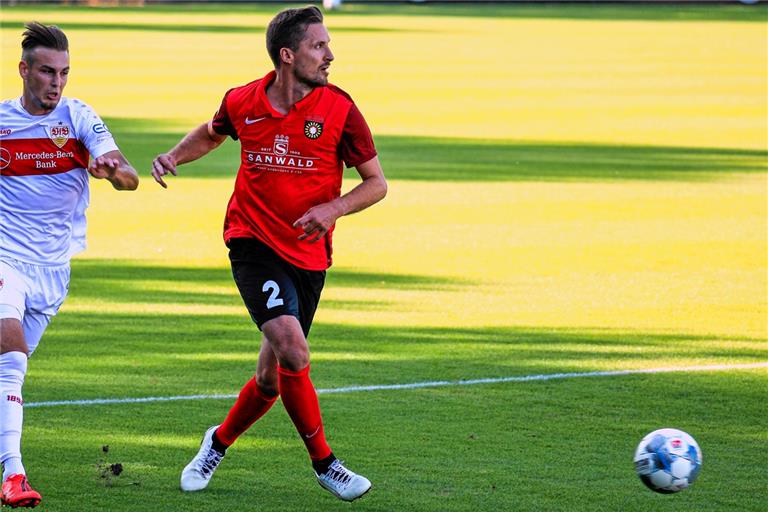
[[572, 188]]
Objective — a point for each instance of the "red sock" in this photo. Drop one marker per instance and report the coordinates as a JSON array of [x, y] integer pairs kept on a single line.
[[300, 400], [251, 405]]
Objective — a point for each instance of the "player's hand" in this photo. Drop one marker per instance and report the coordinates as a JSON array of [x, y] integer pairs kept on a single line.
[[103, 167], [318, 220], [162, 165]]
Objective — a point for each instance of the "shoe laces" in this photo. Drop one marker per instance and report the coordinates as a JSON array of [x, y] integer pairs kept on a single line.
[[206, 465], [24, 485], [338, 473]]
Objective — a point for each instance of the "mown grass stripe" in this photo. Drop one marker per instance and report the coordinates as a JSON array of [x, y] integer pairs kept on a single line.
[[417, 385]]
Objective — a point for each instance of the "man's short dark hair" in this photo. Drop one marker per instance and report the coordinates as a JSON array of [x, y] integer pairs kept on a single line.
[[288, 28], [38, 35]]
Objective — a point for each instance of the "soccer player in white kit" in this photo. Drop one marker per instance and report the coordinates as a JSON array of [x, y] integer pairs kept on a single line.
[[45, 144]]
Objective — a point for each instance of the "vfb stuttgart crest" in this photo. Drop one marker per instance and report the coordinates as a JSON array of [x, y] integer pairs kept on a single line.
[[59, 134], [312, 129]]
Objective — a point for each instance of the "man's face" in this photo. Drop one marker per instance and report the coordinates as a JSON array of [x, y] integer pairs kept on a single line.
[[44, 79], [313, 57]]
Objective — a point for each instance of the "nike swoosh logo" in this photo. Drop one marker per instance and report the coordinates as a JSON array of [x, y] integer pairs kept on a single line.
[[251, 121], [313, 434]]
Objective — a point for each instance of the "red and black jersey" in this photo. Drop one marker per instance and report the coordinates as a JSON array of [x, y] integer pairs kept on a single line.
[[289, 163]]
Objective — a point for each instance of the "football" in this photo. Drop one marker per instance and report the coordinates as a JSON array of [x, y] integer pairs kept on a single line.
[[668, 460]]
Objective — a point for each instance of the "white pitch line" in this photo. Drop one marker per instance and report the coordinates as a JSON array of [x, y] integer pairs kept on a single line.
[[417, 385]]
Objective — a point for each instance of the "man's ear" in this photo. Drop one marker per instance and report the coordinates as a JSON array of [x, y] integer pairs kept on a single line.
[[286, 55], [23, 69]]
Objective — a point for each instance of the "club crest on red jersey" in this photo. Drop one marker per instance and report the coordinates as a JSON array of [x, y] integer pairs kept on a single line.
[[313, 129], [59, 134], [280, 147]]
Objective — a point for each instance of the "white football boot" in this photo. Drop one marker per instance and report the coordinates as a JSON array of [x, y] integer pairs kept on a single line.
[[199, 471], [343, 483]]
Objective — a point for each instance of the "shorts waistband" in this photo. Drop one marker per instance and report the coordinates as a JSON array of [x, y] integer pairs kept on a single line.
[[23, 264]]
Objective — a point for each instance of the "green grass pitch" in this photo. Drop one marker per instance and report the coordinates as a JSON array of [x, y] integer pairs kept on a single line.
[[573, 189]]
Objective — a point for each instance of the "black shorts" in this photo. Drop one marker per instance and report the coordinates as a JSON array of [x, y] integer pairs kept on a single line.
[[272, 287]]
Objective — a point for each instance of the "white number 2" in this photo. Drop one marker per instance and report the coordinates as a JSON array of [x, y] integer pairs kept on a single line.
[[272, 301]]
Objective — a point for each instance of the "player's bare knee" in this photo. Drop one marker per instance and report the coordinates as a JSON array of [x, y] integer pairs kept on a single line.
[[295, 359], [12, 336], [267, 383]]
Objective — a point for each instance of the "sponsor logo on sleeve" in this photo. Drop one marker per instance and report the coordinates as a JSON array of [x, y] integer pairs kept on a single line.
[[5, 131], [100, 128]]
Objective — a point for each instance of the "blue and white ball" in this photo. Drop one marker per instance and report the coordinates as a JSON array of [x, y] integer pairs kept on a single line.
[[330, 5], [668, 460]]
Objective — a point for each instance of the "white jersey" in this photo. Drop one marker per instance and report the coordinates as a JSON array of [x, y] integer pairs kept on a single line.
[[43, 182]]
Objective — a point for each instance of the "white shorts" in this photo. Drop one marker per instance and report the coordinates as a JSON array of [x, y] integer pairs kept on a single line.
[[32, 294]]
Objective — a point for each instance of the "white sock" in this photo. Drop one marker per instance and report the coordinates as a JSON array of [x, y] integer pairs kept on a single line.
[[13, 369]]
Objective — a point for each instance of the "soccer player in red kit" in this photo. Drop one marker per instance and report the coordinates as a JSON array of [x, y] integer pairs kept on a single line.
[[296, 131]]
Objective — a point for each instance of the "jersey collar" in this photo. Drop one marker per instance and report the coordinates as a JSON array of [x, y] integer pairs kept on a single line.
[[264, 107], [19, 106]]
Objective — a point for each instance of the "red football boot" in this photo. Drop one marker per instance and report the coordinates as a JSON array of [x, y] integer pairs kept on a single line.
[[17, 492]]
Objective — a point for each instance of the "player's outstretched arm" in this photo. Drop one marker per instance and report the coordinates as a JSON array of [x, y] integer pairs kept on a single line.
[[114, 167], [319, 219], [196, 144], [372, 190]]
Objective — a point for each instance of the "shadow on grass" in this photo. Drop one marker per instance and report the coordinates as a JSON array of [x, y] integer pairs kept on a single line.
[[172, 27], [471, 160], [546, 431], [583, 11], [575, 11], [445, 159], [99, 352], [114, 281]]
